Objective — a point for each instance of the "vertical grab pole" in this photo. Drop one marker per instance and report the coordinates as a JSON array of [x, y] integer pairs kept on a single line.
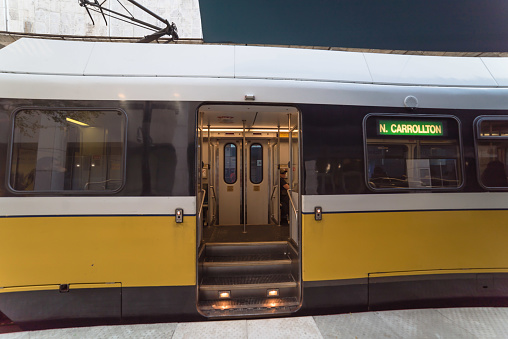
[[244, 170], [278, 174], [200, 174], [290, 165], [210, 181], [201, 141]]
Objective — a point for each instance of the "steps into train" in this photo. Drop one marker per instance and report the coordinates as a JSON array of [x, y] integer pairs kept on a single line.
[[240, 279]]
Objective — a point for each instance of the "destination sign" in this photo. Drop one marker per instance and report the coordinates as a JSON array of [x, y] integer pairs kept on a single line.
[[422, 128]]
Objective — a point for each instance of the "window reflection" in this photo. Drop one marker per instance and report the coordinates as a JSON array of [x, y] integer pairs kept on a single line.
[[414, 159], [67, 150], [492, 146]]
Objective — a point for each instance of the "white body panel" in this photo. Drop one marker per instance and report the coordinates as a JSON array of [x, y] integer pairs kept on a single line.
[[305, 64], [176, 61], [429, 70], [498, 68], [153, 60], [228, 73], [234, 90], [33, 56]]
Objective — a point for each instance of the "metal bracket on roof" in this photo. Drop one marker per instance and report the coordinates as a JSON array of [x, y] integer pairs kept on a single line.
[[170, 29]]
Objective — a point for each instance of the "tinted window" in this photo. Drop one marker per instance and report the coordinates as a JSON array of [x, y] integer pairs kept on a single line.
[[256, 163], [230, 163], [68, 150], [492, 148], [409, 153], [493, 128]]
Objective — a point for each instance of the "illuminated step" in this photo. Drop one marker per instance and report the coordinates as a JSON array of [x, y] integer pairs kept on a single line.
[[256, 264], [259, 280], [248, 306], [245, 259], [256, 286], [242, 249]]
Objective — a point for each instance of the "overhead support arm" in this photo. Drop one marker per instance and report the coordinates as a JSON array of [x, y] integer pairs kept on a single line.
[[170, 29]]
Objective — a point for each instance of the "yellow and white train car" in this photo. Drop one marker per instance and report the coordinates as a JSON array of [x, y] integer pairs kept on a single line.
[[144, 181]]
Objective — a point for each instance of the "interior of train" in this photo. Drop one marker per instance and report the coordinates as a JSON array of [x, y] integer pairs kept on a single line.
[[248, 209]]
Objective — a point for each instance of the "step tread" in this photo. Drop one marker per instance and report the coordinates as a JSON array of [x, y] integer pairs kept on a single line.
[[248, 263], [236, 281], [247, 258], [277, 246]]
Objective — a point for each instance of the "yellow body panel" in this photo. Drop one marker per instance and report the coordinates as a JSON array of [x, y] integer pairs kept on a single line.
[[131, 250], [354, 245]]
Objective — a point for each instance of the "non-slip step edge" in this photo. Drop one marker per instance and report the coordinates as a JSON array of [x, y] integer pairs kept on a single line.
[[248, 279], [247, 263], [252, 248], [242, 258], [246, 244], [248, 286]]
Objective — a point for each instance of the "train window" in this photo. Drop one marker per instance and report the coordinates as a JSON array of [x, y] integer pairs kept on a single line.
[[492, 150], [68, 150], [412, 153], [230, 171], [256, 163]]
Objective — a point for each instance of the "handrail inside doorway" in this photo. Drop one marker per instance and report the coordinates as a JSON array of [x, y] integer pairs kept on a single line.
[[202, 202], [292, 204]]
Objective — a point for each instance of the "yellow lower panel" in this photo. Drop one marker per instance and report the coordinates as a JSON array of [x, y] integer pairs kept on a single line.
[[131, 250], [352, 245]]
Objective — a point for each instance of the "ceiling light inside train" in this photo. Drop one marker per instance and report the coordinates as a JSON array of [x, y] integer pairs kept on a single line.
[[255, 130]]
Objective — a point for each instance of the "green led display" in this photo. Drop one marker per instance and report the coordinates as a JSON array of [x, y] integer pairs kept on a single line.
[[423, 128]]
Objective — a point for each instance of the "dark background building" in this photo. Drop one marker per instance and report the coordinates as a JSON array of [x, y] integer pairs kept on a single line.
[[415, 25]]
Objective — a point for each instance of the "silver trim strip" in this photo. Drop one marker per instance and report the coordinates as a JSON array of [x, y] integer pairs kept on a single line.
[[405, 202], [67, 206]]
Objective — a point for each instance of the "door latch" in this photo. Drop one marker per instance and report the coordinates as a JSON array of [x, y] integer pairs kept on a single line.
[[179, 215], [318, 213]]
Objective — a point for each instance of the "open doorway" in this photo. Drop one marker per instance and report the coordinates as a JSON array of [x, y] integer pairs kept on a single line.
[[245, 236]]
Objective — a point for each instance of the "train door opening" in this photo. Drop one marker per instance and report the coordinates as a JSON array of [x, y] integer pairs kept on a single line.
[[249, 249]]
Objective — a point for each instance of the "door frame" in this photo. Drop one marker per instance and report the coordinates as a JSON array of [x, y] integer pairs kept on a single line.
[[299, 156]]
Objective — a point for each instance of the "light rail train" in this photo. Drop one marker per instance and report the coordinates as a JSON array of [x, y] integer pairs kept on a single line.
[[143, 182]]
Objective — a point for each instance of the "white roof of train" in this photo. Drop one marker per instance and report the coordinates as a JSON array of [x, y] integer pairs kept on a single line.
[[77, 58]]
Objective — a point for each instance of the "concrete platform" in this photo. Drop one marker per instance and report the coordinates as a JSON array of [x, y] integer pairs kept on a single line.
[[425, 323]]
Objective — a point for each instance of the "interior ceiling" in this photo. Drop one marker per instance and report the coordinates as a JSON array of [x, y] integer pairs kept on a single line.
[[256, 117]]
